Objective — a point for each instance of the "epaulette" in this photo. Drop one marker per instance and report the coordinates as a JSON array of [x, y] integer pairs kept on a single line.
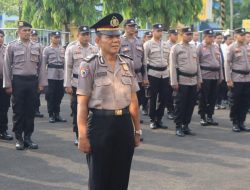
[[126, 56], [90, 57], [12, 41]]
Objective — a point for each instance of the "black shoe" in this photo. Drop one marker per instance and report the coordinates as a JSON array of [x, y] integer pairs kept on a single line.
[[187, 131], [243, 127], [6, 136], [144, 111], [203, 122], [76, 142], [210, 121], [141, 121], [179, 132], [153, 125], [160, 125], [28, 143], [19, 144], [52, 119], [38, 114], [58, 118], [235, 128], [141, 139], [170, 116]]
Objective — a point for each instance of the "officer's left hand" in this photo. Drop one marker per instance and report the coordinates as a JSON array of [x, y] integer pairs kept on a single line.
[[145, 83], [198, 86], [137, 140], [41, 88]]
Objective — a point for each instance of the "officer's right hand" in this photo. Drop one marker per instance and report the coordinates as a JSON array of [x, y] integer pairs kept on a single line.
[[230, 84], [8, 90], [175, 87], [84, 145], [68, 90]]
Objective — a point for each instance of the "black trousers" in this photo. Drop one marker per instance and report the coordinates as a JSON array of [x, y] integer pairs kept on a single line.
[[73, 105], [240, 101], [222, 92], [37, 102], [4, 107], [208, 97], [159, 88], [142, 100], [23, 102], [112, 144], [185, 100], [54, 95]]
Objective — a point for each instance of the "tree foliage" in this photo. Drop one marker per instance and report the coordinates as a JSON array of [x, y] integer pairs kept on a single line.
[[11, 7], [169, 12], [57, 13]]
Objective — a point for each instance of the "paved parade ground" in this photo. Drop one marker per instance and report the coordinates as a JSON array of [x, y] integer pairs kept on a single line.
[[214, 159]]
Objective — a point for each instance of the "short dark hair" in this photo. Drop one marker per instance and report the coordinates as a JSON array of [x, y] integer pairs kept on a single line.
[[226, 37], [218, 34]]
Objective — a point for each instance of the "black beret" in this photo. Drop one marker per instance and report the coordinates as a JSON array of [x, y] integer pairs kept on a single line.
[[208, 32], [34, 32], [130, 22], [2, 32], [240, 31], [83, 29], [56, 33], [109, 25], [158, 26], [187, 30], [172, 31], [21, 24]]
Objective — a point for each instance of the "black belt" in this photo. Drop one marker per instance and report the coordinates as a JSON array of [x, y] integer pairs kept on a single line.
[[241, 72], [137, 71], [55, 66], [157, 68], [75, 76], [119, 112], [186, 74], [27, 77], [210, 68]]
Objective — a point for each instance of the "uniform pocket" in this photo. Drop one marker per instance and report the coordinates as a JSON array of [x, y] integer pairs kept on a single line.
[[77, 56], [126, 80], [18, 56], [102, 82], [34, 56]]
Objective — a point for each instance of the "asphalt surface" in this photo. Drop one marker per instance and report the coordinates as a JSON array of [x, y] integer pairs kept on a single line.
[[214, 159]]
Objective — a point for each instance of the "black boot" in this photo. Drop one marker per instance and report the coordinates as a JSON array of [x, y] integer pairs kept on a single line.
[[38, 114], [210, 121], [58, 118], [153, 125], [179, 131], [203, 121], [187, 131], [160, 125], [243, 127], [52, 118], [5, 136], [236, 127], [19, 142], [28, 143], [76, 139]]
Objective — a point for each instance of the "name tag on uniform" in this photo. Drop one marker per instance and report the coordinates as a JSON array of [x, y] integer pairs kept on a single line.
[[101, 74]]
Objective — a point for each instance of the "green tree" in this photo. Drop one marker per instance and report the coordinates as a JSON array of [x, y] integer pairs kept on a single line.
[[55, 14], [11, 7], [169, 12]]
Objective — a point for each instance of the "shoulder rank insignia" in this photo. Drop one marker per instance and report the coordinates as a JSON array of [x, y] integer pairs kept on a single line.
[[126, 56], [125, 67], [90, 57]]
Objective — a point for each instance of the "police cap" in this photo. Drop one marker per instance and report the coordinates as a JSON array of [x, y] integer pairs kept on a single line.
[[158, 26], [129, 22], [209, 32], [172, 31], [187, 30], [240, 31], [83, 29], [34, 33], [56, 33], [21, 24]]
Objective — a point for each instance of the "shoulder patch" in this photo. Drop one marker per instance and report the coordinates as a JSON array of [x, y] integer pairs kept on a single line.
[[126, 56], [90, 57], [84, 71]]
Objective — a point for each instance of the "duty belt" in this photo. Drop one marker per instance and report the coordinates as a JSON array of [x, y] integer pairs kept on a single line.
[[118, 112], [25, 77], [157, 68], [210, 68], [241, 72], [55, 66], [186, 74], [75, 76], [137, 70]]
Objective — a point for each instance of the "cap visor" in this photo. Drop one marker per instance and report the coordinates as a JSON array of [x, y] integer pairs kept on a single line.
[[110, 33]]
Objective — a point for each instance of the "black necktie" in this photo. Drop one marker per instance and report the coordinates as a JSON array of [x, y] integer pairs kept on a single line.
[[221, 54]]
